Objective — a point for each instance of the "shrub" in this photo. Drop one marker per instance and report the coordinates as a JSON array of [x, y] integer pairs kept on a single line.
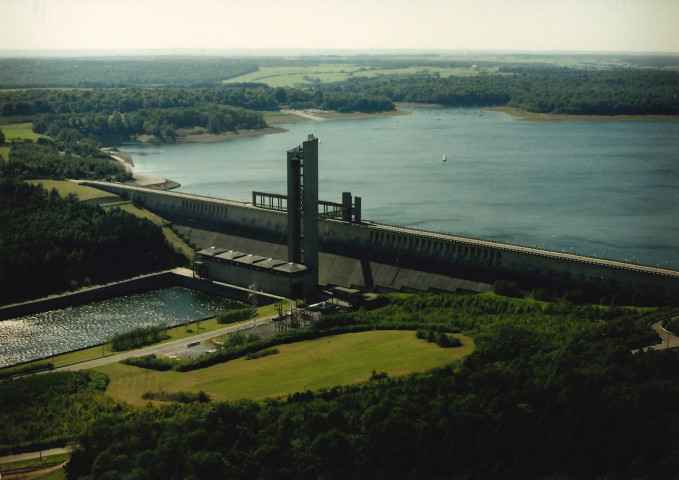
[[150, 362], [234, 316], [138, 337], [261, 354], [26, 369], [178, 397]]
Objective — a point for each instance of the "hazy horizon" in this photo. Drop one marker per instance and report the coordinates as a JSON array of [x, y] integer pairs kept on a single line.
[[293, 52], [527, 26]]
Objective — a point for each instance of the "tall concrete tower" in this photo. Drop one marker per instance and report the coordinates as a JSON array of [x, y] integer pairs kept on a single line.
[[303, 205]]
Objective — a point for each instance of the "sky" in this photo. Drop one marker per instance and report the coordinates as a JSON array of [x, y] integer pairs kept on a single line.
[[508, 25]]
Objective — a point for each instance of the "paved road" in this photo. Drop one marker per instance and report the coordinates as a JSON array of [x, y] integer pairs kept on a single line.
[[668, 340], [166, 348], [26, 456]]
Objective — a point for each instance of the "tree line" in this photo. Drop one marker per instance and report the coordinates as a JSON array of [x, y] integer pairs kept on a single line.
[[118, 114], [544, 395], [119, 72], [566, 91]]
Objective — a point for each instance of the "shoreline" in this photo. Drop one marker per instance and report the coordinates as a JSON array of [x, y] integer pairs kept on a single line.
[[525, 116], [218, 137]]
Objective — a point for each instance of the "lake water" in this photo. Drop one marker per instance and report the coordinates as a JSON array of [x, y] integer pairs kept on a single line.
[[608, 189], [57, 331]]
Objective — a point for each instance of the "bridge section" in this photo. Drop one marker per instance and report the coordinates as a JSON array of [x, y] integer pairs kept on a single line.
[[386, 257]]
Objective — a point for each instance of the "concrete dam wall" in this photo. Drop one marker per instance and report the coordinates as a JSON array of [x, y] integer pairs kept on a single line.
[[390, 258]]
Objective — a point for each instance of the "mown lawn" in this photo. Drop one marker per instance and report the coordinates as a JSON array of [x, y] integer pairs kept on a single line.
[[309, 365]]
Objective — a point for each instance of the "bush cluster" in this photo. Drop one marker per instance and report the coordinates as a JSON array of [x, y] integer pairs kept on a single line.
[[234, 316], [139, 337]]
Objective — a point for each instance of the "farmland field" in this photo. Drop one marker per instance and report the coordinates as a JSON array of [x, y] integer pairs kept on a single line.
[[329, 73]]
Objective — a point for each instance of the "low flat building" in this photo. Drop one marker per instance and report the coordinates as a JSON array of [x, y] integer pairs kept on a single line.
[[278, 277]]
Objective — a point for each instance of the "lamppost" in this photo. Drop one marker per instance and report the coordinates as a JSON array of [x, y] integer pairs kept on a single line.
[[39, 443]]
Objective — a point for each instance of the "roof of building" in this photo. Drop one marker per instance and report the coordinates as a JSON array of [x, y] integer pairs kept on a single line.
[[249, 259], [212, 251], [290, 267], [231, 255], [270, 263]]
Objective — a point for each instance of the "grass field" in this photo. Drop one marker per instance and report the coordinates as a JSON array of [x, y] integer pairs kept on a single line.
[[310, 365], [328, 73], [20, 131], [84, 193]]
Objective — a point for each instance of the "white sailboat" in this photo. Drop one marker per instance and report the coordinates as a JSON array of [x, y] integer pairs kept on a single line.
[[444, 157]]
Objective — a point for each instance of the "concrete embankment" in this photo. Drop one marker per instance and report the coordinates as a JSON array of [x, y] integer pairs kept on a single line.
[[178, 277]]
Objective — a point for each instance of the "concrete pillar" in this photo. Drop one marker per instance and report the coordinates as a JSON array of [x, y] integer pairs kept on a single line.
[[346, 206], [357, 210], [294, 207], [310, 206]]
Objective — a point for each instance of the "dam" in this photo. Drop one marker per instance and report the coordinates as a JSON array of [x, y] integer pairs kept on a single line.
[[342, 249], [384, 258]]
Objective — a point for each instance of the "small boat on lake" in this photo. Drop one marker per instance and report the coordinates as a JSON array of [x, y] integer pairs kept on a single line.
[[444, 157]]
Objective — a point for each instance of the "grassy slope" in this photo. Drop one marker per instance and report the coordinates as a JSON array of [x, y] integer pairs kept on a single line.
[[315, 364], [84, 193]]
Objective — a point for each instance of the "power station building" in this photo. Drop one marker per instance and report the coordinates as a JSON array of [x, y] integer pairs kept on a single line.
[[287, 279], [298, 277]]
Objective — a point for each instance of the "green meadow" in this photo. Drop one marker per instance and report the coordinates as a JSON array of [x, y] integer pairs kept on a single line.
[[20, 131], [309, 365], [329, 73]]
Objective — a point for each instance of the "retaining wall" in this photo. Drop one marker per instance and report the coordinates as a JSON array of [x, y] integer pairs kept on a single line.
[[145, 283]]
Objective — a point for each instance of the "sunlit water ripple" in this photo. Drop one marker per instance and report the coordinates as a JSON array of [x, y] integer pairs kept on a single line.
[[57, 331]]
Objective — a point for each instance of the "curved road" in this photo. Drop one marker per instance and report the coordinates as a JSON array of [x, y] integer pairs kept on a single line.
[[669, 340]]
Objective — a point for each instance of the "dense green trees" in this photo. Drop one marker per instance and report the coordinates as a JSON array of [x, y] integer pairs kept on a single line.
[[119, 71], [545, 395], [44, 160], [612, 92], [51, 409], [51, 244]]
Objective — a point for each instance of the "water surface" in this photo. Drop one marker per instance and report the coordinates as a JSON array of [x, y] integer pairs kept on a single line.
[[57, 331], [608, 189]]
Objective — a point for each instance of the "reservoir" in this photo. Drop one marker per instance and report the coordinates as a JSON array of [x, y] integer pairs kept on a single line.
[[608, 189], [57, 331]]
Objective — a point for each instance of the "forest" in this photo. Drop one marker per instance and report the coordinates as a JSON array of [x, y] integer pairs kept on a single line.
[[553, 390], [53, 244], [566, 91]]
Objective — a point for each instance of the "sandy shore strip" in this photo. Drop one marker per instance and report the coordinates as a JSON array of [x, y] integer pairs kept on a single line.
[[294, 116], [525, 116], [218, 137]]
